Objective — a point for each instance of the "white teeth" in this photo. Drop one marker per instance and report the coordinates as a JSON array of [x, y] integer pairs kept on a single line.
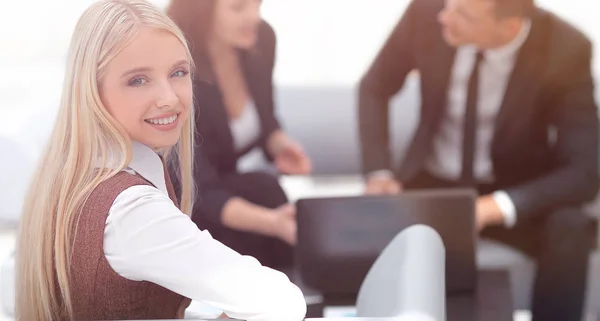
[[162, 121]]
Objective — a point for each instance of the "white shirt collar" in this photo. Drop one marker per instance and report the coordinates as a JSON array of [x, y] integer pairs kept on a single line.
[[148, 164], [510, 50]]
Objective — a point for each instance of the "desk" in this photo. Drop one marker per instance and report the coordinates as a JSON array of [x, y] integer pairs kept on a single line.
[[492, 300], [315, 319]]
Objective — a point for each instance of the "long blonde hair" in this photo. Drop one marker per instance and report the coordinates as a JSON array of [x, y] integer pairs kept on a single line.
[[84, 134]]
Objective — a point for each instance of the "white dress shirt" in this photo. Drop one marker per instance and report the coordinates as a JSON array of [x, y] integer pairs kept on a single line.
[[147, 238], [494, 73]]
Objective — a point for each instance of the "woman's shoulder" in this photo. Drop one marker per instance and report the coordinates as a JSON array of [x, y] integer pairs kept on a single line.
[[122, 180], [103, 195], [266, 38], [266, 33]]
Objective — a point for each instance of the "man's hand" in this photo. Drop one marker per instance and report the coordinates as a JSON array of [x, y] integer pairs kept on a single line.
[[378, 185], [487, 212]]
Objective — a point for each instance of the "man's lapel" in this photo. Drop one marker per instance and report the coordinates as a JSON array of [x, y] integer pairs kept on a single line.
[[435, 78], [525, 77], [441, 65]]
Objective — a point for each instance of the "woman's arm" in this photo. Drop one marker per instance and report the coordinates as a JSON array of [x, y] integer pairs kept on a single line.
[[287, 154], [267, 44], [147, 238], [239, 214], [219, 205]]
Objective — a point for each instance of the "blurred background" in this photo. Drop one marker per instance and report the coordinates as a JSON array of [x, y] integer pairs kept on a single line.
[[322, 45], [323, 48]]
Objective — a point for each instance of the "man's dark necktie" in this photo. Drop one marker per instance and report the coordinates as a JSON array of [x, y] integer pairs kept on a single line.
[[470, 124]]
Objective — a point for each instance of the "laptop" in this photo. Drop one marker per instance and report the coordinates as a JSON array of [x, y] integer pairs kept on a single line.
[[339, 238]]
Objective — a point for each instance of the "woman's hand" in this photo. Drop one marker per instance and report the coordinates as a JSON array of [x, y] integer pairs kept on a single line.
[[284, 223], [280, 222], [290, 157], [292, 160]]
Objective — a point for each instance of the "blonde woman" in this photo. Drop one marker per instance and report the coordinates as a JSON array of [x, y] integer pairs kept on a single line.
[[102, 236]]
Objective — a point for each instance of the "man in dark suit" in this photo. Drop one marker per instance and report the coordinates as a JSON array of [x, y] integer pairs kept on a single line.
[[508, 109]]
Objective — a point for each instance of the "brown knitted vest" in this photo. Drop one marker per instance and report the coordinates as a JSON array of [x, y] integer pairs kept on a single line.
[[98, 292]]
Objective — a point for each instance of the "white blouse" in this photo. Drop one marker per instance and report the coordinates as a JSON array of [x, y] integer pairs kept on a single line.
[[245, 130], [147, 238]]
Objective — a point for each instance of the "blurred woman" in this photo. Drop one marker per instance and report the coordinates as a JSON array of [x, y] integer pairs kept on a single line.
[[234, 51]]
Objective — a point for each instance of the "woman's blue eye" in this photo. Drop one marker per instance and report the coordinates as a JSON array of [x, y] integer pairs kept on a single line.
[[136, 82], [180, 73]]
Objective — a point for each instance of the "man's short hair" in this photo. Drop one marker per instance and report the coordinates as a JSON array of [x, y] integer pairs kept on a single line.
[[511, 8]]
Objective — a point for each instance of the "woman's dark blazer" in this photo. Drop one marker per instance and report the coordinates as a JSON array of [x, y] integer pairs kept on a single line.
[[215, 157]]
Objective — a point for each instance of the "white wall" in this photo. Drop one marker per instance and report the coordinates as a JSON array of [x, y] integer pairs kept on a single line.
[[320, 42], [331, 42]]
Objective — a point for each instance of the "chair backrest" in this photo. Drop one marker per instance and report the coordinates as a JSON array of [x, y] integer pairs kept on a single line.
[[339, 154], [408, 277], [21, 148], [17, 167]]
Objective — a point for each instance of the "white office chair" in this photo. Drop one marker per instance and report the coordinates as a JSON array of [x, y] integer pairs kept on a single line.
[[408, 278], [16, 166], [20, 152]]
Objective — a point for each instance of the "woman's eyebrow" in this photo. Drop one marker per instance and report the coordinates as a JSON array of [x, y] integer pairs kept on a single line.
[[135, 70]]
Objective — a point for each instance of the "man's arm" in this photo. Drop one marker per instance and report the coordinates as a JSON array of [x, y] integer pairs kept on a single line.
[[575, 179], [384, 78]]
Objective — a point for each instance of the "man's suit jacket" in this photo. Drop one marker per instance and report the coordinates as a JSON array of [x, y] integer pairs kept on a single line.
[[214, 152], [551, 87]]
